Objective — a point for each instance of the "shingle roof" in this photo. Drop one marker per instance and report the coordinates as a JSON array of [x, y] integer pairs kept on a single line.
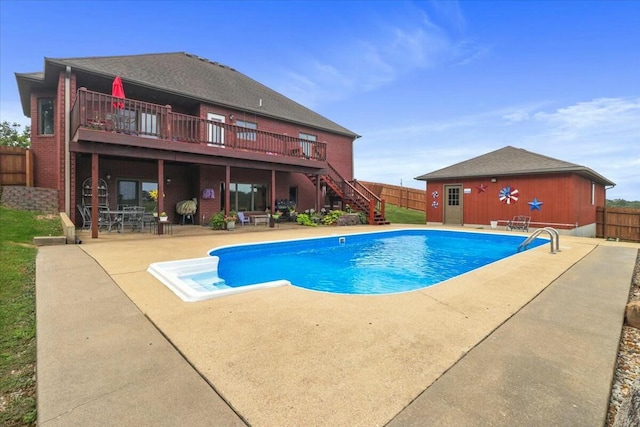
[[511, 161], [198, 78]]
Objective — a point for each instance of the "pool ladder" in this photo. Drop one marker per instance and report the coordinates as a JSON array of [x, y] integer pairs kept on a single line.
[[554, 242]]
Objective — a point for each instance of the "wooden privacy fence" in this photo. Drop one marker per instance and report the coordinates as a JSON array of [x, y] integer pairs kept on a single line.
[[400, 196], [16, 166], [618, 223]]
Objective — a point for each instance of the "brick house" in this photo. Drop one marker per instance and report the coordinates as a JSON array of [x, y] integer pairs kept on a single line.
[[188, 128], [511, 181]]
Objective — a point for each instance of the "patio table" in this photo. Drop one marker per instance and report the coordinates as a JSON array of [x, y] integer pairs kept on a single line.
[[260, 219], [121, 217]]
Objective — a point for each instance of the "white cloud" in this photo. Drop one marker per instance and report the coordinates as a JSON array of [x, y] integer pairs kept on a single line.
[[602, 134], [599, 112], [385, 52]]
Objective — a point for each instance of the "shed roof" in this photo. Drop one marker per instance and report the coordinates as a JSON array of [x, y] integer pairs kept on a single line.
[[511, 161], [190, 76]]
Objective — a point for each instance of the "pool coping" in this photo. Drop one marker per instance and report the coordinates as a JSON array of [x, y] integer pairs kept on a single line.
[[168, 315]]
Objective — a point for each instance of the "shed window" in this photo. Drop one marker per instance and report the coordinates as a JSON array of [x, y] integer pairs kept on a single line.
[[453, 196]]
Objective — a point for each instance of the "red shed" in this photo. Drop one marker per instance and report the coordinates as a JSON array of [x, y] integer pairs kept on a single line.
[[493, 188]]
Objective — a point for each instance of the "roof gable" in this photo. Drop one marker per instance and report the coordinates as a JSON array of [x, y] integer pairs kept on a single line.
[[511, 161]]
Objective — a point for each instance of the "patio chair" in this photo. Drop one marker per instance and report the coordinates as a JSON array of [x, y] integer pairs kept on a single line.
[[86, 217], [105, 219], [519, 222], [134, 217], [243, 219]]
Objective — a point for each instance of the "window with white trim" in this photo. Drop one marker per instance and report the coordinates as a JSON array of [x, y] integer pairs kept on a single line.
[[248, 135], [306, 143]]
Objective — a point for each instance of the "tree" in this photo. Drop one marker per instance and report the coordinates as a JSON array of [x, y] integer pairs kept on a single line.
[[11, 136], [622, 203]]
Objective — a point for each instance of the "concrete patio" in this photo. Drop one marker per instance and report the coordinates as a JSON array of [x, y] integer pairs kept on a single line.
[[530, 340]]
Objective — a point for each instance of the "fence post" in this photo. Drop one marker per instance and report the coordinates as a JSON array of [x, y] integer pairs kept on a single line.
[[28, 157]]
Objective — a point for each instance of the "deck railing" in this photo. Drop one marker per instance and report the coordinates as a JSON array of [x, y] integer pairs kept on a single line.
[[99, 111]]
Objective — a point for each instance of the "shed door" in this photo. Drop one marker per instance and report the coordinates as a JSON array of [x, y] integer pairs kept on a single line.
[[453, 204]]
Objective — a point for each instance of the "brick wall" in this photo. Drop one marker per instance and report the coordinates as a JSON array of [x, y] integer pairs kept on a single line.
[[339, 147], [29, 199]]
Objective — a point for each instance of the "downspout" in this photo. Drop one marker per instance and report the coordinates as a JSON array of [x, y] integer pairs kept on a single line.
[[67, 154]]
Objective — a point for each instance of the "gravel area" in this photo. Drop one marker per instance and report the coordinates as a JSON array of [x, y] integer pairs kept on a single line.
[[628, 365]]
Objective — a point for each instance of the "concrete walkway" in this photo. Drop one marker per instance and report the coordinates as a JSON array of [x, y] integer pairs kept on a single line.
[[550, 364], [101, 360]]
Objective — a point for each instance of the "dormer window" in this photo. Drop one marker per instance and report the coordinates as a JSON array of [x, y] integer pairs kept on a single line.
[[45, 116]]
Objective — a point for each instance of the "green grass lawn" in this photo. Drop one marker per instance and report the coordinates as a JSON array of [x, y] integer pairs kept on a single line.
[[18, 312], [398, 215]]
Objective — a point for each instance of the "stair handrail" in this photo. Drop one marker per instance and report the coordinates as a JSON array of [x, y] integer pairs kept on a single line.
[[343, 184], [553, 234], [349, 191], [378, 203]]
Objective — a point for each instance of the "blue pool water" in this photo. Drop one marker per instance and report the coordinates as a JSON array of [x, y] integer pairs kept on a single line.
[[372, 263]]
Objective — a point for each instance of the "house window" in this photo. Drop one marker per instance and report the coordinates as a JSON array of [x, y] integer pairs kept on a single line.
[[45, 116], [136, 193], [293, 195], [306, 143], [251, 136], [248, 197], [125, 121], [149, 124]]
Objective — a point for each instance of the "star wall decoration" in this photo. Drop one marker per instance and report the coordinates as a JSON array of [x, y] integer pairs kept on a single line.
[[535, 205], [481, 188]]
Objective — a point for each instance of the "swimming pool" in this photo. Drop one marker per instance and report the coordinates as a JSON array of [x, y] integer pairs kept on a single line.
[[367, 263]]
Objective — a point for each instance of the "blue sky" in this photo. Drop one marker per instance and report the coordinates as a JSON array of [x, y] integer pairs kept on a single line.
[[427, 84]]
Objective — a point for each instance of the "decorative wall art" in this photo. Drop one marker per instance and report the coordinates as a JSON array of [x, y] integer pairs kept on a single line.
[[208, 193], [508, 195], [535, 205], [481, 188]]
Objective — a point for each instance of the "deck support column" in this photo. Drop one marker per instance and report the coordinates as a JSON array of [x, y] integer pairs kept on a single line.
[[318, 193], [227, 189], [273, 191], [160, 194], [94, 195]]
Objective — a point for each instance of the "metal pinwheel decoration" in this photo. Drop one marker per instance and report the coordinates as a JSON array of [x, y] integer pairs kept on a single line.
[[508, 195]]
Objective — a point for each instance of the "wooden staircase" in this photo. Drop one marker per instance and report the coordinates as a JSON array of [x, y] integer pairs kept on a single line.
[[354, 194]]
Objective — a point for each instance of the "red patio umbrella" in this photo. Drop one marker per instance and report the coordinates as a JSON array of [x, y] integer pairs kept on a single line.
[[117, 91]]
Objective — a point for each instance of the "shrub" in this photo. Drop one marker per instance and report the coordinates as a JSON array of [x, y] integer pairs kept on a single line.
[[332, 217], [305, 219], [217, 221]]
